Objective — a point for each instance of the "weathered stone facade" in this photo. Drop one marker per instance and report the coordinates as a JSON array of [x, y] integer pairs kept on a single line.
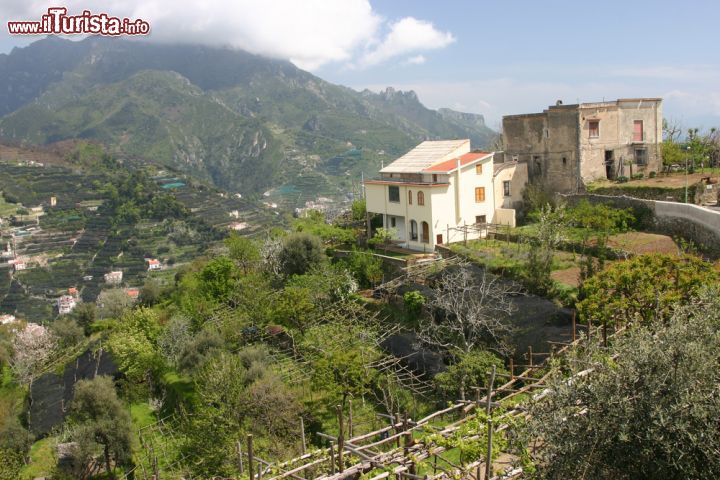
[[568, 146]]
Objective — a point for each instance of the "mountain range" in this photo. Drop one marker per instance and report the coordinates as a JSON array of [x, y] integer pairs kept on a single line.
[[242, 122]]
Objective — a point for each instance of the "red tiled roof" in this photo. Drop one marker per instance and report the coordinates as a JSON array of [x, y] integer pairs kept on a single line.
[[450, 165]]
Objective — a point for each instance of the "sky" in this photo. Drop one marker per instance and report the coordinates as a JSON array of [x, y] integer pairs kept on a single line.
[[493, 57]]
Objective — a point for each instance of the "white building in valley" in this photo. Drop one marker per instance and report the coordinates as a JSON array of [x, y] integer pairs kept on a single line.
[[442, 192]]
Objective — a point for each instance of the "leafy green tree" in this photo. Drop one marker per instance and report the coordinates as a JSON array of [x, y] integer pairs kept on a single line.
[[672, 153], [113, 303], [134, 344], [85, 314], [300, 253], [294, 308], [414, 302], [151, 292], [243, 251], [314, 223], [328, 283], [15, 440], [359, 209], [217, 279], [551, 224], [469, 371], [175, 336], [384, 237], [647, 409], [366, 267], [643, 288], [199, 350], [341, 355], [67, 331], [238, 394], [101, 423], [597, 221]]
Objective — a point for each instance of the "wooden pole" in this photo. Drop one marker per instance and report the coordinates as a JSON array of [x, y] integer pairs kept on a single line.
[[156, 470], [573, 326], [350, 420], [332, 458], [488, 458], [530, 355], [605, 334], [250, 455], [302, 434], [589, 328], [398, 429], [512, 368], [341, 440], [408, 434], [239, 454]]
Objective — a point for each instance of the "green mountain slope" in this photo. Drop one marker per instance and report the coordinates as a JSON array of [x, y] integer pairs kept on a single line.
[[244, 122]]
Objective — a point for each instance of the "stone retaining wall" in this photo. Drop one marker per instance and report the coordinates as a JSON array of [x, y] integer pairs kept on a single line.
[[699, 225]]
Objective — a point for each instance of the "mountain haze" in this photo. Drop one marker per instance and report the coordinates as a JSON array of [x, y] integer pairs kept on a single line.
[[243, 122]]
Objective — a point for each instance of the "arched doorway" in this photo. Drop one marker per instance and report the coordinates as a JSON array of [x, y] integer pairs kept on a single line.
[[413, 230], [425, 233]]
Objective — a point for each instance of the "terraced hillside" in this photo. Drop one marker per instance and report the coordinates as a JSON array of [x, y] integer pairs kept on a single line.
[[66, 226]]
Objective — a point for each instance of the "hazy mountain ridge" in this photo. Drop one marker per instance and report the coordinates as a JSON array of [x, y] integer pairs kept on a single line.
[[243, 121]]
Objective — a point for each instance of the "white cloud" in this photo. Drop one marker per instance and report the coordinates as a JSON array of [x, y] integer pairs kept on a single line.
[[310, 33], [416, 60], [407, 35]]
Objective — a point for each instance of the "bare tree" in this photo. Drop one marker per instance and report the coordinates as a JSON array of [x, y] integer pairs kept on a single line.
[[469, 311], [671, 130]]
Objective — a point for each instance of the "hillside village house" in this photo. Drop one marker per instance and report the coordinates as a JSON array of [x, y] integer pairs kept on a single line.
[[568, 146], [66, 304], [153, 264], [114, 278], [430, 195]]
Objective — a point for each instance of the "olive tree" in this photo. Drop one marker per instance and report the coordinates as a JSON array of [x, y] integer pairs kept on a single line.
[[645, 410], [101, 424]]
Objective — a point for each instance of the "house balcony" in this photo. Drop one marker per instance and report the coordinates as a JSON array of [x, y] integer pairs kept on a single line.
[[406, 181]]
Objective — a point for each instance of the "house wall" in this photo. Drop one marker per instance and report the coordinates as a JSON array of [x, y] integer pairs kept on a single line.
[[616, 136], [559, 152], [378, 201], [547, 143], [517, 175]]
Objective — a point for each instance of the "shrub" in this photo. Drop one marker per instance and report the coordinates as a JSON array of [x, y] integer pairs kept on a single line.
[[300, 252], [652, 175], [622, 179]]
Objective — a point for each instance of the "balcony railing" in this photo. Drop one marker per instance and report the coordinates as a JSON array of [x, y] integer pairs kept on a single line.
[[408, 181]]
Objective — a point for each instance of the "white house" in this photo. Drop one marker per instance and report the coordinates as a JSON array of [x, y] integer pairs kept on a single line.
[[441, 192], [154, 264], [66, 304], [114, 278]]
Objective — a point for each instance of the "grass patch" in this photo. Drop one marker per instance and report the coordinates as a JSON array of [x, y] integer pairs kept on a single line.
[[42, 459]]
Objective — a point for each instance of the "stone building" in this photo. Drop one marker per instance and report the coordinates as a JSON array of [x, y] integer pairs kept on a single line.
[[568, 146]]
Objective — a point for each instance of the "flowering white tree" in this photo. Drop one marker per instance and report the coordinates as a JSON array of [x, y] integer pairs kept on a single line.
[[32, 346]]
